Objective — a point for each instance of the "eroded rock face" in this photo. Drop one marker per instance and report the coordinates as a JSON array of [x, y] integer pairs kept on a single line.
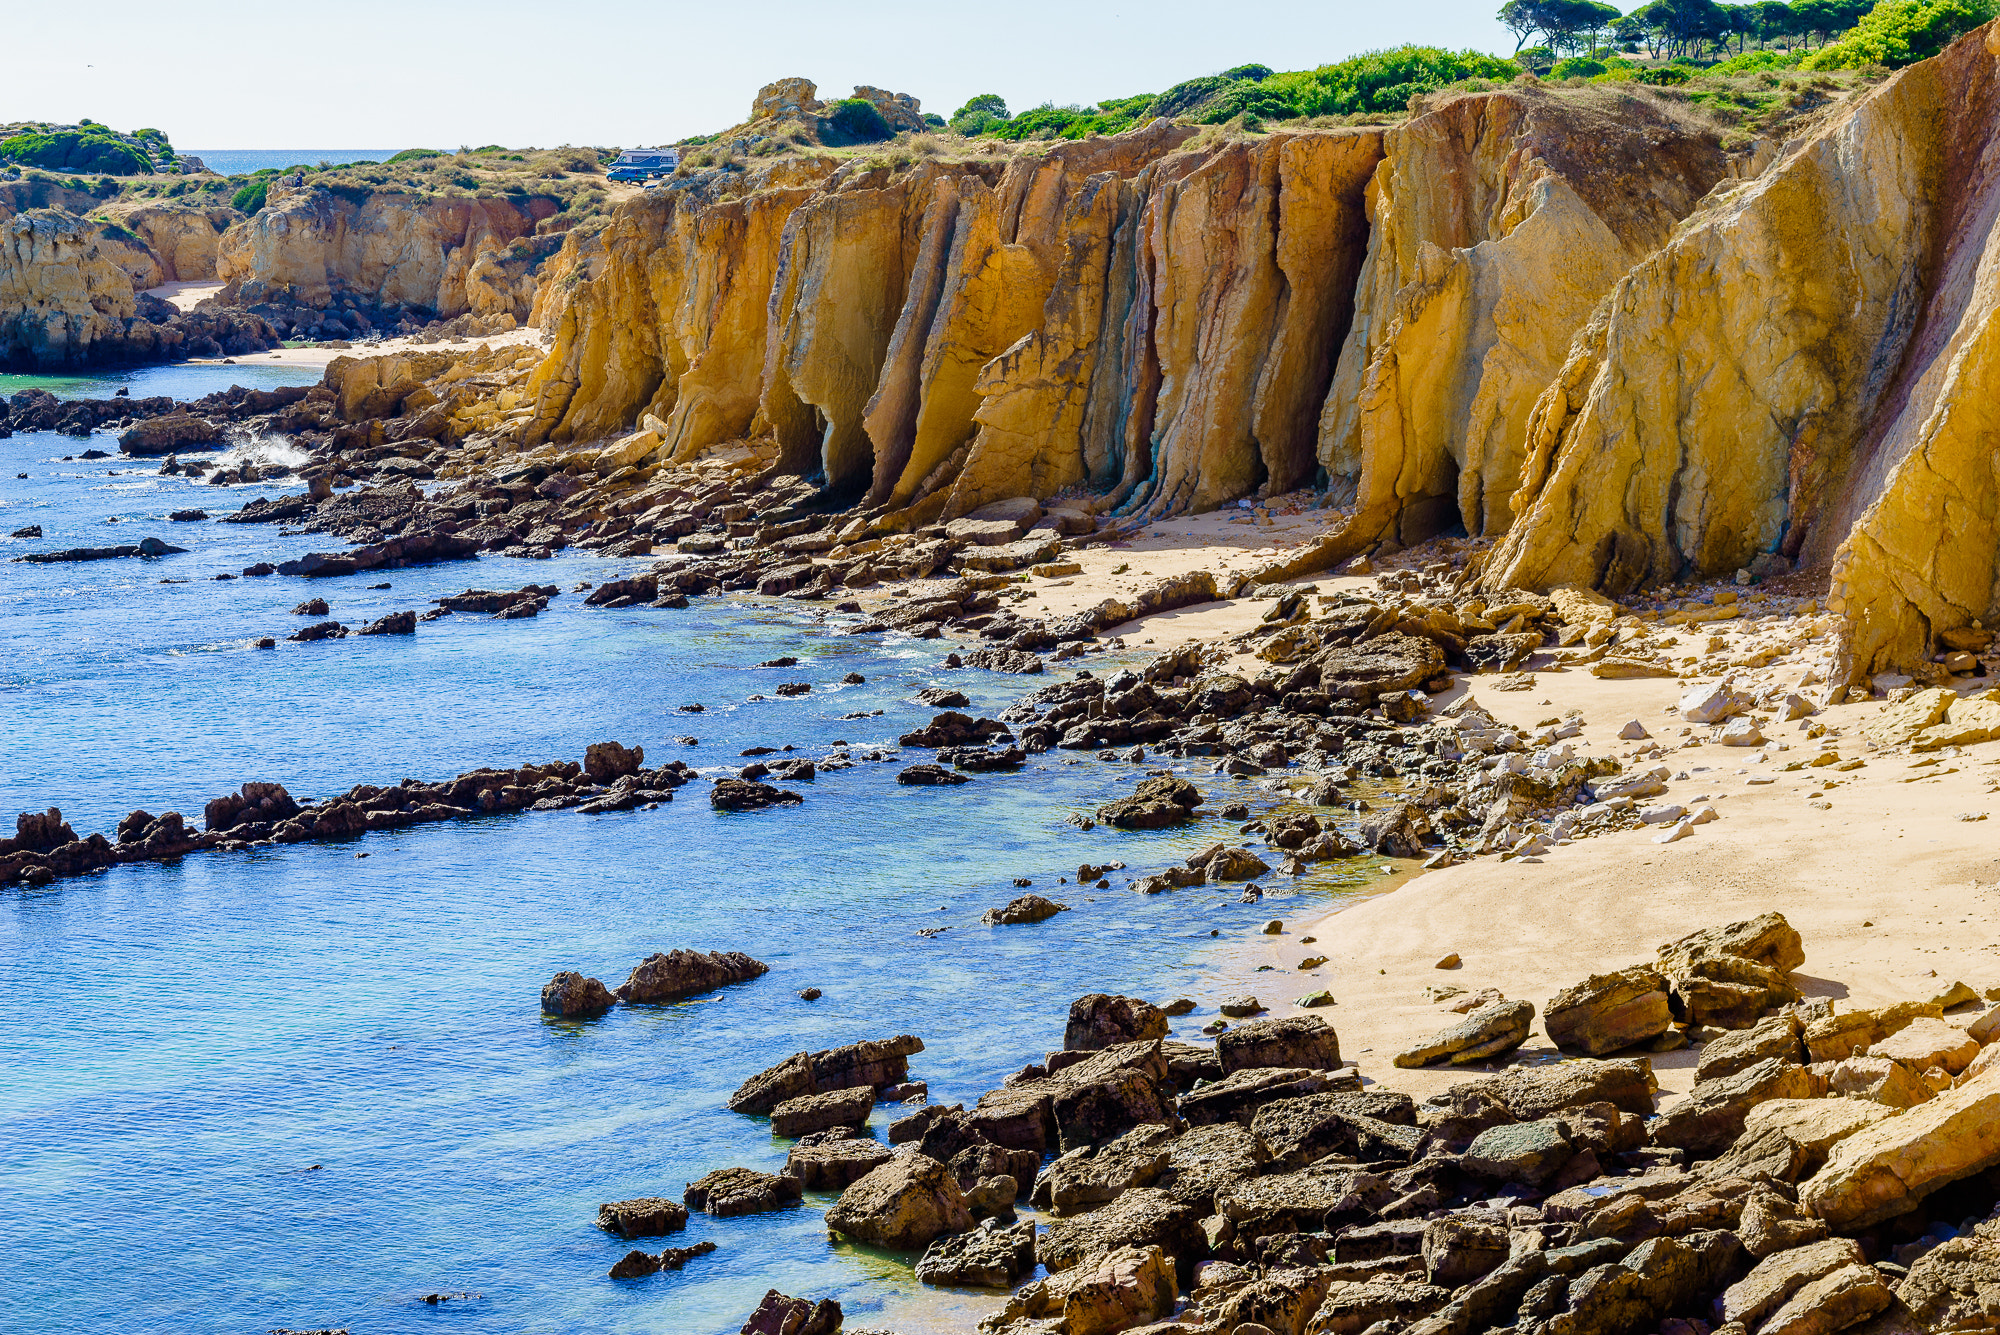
[[672, 320], [1725, 403], [61, 297], [1500, 220], [393, 249], [183, 239]]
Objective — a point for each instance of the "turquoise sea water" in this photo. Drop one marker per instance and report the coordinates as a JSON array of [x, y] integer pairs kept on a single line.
[[302, 1088]]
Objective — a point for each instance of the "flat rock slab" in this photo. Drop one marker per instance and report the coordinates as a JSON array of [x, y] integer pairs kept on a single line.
[[642, 1217], [736, 1191], [818, 1112]]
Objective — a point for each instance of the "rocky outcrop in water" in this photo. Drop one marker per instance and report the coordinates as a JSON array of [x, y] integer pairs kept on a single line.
[[262, 813]]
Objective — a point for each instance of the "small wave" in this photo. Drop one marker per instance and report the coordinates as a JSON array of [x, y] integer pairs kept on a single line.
[[263, 450]]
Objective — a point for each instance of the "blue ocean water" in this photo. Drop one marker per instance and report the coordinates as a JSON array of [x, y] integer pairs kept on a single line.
[[236, 161], [299, 1087]]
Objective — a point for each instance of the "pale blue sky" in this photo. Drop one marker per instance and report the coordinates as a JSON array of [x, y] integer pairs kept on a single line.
[[403, 73]]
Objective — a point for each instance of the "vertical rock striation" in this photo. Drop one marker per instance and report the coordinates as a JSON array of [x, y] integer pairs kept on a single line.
[[1803, 372], [1500, 220]]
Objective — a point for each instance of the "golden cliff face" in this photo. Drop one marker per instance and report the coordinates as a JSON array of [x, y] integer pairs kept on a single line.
[[183, 238], [390, 248], [1803, 371], [60, 295], [1566, 319], [1499, 221]]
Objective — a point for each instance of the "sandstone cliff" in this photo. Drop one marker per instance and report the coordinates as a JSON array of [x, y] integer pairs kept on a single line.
[[1499, 221], [61, 298], [182, 238], [65, 300], [1801, 372], [385, 247]]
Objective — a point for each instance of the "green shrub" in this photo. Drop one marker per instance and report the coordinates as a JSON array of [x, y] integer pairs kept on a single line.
[[251, 197], [1665, 77], [91, 150], [413, 154], [1753, 62], [1189, 97], [1578, 67], [1254, 73], [856, 120], [1385, 81], [1894, 33], [114, 232]]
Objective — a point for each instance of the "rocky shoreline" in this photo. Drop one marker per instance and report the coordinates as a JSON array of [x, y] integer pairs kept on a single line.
[[1831, 1170]]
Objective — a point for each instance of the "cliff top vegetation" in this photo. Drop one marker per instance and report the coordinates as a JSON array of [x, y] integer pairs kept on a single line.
[[572, 177]]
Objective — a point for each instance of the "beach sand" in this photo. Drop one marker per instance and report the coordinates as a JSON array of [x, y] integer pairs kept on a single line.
[[1894, 893]]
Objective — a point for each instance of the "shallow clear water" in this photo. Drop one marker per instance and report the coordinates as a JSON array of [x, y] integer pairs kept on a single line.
[[297, 1087]]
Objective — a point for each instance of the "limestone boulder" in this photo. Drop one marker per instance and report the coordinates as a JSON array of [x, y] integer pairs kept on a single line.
[[1775, 1279], [904, 1205], [982, 1258], [739, 1191], [1925, 1043], [1712, 1117], [1789, 1139], [1886, 1168], [1118, 1290], [1099, 1021], [1878, 1080], [1155, 804], [643, 1217], [1530, 1152], [793, 97], [872, 1063], [1142, 1217], [833, 1165], [819, 1112], [1609, 1011], [779, 1314], [571, 996], [1845, 1033], [1725, 1055], [1955, 1286], [1487, 1032], [1291, 1042]]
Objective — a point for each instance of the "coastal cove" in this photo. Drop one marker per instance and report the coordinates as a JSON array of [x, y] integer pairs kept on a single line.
[[324, 1074]]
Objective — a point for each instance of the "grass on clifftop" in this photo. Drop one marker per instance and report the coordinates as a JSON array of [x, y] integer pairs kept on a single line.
[[572, 178]]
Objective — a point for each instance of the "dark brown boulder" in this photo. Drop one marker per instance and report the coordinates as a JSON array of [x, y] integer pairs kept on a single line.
[[572, 996], [1155, 804], [738, 1191], [780, 1315], [607, 762], [744, 795], [642, 1217], [1100, 1021], [682, 973], [1292, 1041], [873, 1062]]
